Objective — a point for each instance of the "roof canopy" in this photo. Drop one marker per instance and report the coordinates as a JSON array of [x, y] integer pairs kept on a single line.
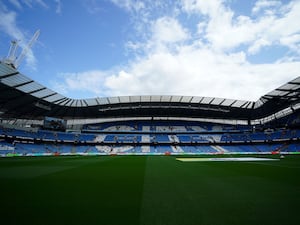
[[22, 97]]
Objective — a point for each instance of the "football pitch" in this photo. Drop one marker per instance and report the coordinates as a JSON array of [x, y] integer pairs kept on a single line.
[[148, 190]]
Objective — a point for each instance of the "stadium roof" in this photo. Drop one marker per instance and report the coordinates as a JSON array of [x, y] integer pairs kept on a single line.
[[22, 97]]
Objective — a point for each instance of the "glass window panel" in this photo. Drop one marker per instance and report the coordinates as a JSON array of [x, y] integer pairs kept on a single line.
[[145, 98], [283, 93], [113, 100], [124, 99], [43, 93], [250, 105], [238, 103], [290, 86], [245, 105], [217, 101], [21, 78], [30, 87], [63, 101], [292, 94], [103, 101], [15, 80], [91, 101], [68, 103], [176, 98], [10, 81], [186, 99], [275, 93], [75, 103], [196, 99], [166, 98], [258, 103], [155, 98], [53, 98], [206, 100], [4, 70], [297, 80], [135, 98], [228, 102]]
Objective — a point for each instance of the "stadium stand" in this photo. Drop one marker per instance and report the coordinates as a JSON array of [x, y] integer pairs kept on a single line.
[[52, 124]]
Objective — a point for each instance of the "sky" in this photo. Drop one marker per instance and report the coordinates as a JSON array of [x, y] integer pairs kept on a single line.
[[101, 48]]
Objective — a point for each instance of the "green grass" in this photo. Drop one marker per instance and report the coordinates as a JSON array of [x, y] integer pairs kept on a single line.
[[148, 190]]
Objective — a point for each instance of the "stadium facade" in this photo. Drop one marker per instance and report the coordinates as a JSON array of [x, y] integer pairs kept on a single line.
[[38, 121]]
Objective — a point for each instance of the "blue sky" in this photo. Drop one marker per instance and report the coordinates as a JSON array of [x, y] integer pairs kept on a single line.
[[88, 48]]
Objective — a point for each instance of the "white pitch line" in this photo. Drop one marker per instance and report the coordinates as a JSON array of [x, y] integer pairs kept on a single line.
[[264, 164], [245, 159]]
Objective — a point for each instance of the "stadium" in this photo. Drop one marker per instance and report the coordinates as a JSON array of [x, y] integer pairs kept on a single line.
[[39, 121], [147, 159]]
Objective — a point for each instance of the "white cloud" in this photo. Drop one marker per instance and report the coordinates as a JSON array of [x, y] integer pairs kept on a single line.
[[168, 30], [264, 5], [130, 5], [293, 41], [201, 27], [90, 81], [225, 31], [174, 59], [8, 24], [257, 45], [220, 28], [287, 24], [199, 72], [210, 8]]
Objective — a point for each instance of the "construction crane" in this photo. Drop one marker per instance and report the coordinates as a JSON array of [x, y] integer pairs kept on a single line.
[[11, 57], [14, 60]]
